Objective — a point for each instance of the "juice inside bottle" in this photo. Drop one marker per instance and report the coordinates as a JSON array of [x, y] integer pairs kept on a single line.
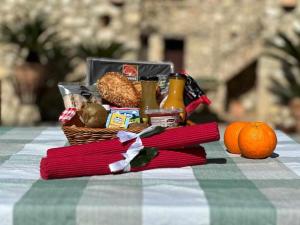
[[175, 94], [148, 97]]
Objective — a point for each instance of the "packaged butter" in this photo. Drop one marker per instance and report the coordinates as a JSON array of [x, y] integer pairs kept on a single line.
[[117, 120], [133, 114]]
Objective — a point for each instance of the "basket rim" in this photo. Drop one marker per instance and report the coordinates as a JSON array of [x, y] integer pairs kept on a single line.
[[108, 130]]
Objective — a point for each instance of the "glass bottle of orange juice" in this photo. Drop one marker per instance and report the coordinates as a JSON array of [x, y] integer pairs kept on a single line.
[[149, 86], [175, 94]]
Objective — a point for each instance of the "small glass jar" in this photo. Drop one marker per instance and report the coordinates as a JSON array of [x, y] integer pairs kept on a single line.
[[163, 117]]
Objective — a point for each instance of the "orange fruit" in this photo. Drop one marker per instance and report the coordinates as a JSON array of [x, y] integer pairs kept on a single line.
[[257, 140], [231, 136]]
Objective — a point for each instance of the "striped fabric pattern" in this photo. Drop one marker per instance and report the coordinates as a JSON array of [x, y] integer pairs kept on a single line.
[[227, 190], [67, 115]]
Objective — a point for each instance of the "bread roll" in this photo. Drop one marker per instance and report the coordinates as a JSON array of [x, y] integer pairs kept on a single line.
[[118, 90]]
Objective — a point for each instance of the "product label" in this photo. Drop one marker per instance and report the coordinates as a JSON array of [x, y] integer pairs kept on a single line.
[[130, 71], [165, 121], [132, 114], [117, 120]]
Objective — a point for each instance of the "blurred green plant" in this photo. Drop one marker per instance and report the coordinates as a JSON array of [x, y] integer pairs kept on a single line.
[[287, 51], [34, 39], [37, 42], [110, 50]]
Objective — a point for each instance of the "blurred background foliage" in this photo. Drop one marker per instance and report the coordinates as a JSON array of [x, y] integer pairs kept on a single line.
[[50, 58], [287, 51], [232, 48]]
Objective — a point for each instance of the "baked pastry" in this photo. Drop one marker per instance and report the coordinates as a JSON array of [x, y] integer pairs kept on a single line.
[[118, 90]]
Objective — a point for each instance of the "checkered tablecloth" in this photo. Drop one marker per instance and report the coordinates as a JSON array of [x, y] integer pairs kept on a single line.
[[228, 190]]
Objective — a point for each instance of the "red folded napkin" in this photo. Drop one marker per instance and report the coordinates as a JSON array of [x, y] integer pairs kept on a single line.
[[170, 138], [97, 164]]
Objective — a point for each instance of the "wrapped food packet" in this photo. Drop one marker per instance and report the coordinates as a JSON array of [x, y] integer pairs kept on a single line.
[[133, 70], [193, 95], [71, 94], [75, 94]]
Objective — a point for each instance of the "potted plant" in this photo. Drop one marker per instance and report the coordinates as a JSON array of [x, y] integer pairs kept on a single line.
[[110, 50], [87, 49], [42, 60], [287, 51], [40, 57]]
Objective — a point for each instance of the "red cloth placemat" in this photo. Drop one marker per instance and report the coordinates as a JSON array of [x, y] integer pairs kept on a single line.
[[170, 138], [97, 164]]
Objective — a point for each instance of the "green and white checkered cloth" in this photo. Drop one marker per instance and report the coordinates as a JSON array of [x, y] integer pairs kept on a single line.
[[228, 190]]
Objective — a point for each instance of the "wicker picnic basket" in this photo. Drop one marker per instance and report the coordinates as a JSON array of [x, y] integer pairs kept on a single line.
[[77, 134]]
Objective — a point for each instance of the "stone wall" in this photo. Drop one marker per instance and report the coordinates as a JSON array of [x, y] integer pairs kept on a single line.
[[221, 37], [80, 21], [86, 21], [215, 32]]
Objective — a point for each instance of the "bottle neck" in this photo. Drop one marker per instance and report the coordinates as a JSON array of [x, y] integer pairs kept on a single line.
[[176, 88]]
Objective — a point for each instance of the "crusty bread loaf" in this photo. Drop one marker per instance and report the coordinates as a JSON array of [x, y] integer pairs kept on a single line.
[[118, 90]]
